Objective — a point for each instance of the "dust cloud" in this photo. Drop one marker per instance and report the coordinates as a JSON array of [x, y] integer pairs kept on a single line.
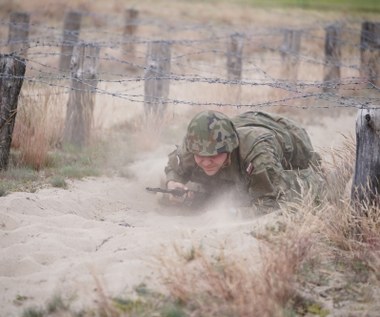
[[59, 242], [109, 228]]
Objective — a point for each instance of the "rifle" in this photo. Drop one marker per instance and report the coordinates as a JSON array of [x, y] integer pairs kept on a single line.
[[198, 197], [179, 192]]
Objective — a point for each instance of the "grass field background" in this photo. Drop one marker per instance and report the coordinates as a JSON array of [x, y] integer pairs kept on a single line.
[[341, 5]]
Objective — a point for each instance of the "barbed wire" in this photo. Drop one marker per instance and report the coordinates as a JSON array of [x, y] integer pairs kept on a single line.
[[338, 101], [197, 61]]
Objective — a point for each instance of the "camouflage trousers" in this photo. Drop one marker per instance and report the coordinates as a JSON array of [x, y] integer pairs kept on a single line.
[[304, 182]]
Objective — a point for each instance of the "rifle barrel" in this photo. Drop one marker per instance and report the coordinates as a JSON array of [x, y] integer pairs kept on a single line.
[[176, 191]]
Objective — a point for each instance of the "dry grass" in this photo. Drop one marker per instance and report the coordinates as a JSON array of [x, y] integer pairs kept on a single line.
[[38, 126], [348, 224], [316, 250], [338, 170], [349, 242], [257, 283], [38, 157]]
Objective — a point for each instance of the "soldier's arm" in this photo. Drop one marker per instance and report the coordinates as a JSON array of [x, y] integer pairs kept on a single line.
[[178, 171], [179, 166], [268, 183]]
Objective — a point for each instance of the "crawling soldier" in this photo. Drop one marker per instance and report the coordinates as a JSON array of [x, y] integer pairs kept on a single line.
[[263, 159]]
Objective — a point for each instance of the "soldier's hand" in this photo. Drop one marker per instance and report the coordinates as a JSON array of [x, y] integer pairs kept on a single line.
[[178, 199]]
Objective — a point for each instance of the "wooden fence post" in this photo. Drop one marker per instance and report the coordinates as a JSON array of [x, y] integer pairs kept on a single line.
[[332, 58], [290, 54], [234, 57], [12, 70], [370, 52], [71, 29], [79, 114], [157, 72], [129, 51], [18, 33], [366, 181]]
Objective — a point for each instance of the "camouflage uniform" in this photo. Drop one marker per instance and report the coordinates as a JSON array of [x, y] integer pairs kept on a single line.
[[271, 157]]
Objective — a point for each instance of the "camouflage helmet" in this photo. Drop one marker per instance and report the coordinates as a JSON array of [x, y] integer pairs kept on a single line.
[[210, 133]]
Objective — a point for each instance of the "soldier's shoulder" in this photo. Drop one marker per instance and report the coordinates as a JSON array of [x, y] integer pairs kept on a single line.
[[249, 137]]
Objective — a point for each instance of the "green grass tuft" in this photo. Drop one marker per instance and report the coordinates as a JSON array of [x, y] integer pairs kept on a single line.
[[79, 172], [58, 181], [56, 305], [33, 312], [173, 311], [3, 191]]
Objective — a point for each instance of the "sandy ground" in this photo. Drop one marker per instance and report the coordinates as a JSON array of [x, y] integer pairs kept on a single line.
[[56, 241]]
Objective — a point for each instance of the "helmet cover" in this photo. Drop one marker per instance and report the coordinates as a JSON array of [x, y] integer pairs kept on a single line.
[[210, 133]]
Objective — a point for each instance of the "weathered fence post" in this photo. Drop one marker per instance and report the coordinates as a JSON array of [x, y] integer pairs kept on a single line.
[[234, 56], [71, 30], [290, 54], [131, 16], [370, 52], [157, 73], [79, 114], [12, 70], [366, 181], [18, 33], [332, 58], [234, 65]]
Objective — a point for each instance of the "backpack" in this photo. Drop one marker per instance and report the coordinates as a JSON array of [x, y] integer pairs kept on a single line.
[[294, 140]]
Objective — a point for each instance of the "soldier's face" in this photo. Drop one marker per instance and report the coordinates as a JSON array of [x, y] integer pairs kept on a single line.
[[211, 164]]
